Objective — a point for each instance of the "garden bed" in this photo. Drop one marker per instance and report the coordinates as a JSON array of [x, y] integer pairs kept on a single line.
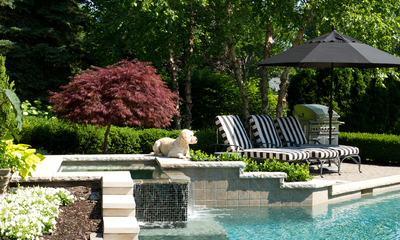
[[79, 219]]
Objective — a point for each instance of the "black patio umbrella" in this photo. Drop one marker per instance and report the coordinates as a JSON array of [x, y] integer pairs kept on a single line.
[[332, 50]]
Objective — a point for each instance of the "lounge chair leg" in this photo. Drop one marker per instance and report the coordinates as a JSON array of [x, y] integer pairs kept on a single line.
[[321, 167]]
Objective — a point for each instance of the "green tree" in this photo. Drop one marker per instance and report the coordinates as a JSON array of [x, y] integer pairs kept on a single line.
[[43, 43], [167, 33]]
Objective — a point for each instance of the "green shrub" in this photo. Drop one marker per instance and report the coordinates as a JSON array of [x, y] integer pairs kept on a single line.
[[36, 109], [123, 140], [379, 148], [205, 139], [53, 135], [90, 138], [56, 136], [6, 113], [202, 156], [295, 172]]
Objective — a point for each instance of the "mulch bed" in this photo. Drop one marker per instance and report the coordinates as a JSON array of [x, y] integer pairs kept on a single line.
[[79, 219]]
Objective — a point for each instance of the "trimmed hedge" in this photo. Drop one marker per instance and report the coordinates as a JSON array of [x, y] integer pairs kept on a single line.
[[55, 136], [379, 148]]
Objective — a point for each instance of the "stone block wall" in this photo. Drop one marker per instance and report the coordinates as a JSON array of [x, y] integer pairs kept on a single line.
[[228, 186]]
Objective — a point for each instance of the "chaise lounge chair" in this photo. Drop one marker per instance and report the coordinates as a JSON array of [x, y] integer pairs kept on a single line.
[[290, 132], [264, 133], [235, 139]]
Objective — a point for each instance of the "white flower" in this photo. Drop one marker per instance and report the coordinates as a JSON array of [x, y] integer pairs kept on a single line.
[[17, 154]]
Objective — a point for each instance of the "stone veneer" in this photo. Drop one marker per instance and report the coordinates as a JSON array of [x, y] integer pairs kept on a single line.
[[225, 184], [221, 183]]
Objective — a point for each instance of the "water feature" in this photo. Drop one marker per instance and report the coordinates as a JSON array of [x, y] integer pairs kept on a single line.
[[372, 217], [161, 201], [159, 195], [135, 171]]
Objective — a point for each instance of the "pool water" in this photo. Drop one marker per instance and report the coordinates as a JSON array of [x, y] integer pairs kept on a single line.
[[371, 217], [135, 173]]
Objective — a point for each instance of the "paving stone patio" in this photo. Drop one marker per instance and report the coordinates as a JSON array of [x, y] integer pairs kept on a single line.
[[350, 172]]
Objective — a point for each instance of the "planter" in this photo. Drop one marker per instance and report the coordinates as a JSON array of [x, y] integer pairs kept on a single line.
[[5, 175]]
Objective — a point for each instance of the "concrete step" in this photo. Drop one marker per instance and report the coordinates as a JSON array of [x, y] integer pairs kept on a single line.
[[117, 184], [118, 206], [120, 228]]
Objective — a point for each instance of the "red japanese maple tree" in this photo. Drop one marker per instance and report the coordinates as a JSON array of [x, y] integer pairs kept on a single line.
[[126, 93]]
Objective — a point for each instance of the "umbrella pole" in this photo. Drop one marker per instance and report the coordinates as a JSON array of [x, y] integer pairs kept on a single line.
[[331, 107]]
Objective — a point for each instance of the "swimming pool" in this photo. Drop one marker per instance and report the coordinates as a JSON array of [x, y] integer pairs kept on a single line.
[[372, 217]]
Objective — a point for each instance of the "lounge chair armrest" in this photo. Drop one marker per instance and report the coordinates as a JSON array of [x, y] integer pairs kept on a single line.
[[315, 141]]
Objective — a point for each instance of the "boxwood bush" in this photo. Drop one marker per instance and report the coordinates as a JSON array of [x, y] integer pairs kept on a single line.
[[56, 136], [378, 148]]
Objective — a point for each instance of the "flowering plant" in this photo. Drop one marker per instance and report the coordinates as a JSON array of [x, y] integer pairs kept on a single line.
[[28, 213], [18, 157]]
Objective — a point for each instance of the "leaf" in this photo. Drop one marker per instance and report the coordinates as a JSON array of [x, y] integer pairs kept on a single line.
[[16, 103]]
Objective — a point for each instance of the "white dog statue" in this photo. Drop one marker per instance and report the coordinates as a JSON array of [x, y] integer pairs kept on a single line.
[[175, 148]]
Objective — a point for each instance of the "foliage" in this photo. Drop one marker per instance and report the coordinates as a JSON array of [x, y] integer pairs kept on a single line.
[[57, 136], [43, 42], [378, 148], [123, 140], [226, 156], [295, 172], [201, 156], [19, 157], [125, 94], [354, 89], [28, 213], [37, 109], [217, 94], [10, 113]]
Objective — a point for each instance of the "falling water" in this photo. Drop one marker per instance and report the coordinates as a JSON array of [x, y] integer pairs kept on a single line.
[[161, 202]]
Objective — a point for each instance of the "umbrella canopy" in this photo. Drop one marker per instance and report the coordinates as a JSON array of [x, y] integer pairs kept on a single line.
[[332, 50]]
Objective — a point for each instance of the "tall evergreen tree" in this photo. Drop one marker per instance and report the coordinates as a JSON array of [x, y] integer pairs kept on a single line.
[[42, 41]]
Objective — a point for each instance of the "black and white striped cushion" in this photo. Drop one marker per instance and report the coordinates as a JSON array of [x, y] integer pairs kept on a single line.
[[263, 129], [232, 132], [289, 130], [317, 152], [277, 153], [344, 150]]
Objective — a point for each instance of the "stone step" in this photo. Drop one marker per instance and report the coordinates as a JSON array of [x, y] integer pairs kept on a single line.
[[120, 228], [118, 206], [117, 184]]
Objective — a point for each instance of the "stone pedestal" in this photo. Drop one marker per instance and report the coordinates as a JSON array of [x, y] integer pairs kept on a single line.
[[5, 175]]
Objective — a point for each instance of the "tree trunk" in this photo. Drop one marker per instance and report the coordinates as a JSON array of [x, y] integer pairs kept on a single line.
[[188, 84], [105, 144], [238, 74], [282, 92], [284, 77], [175, 84], [239, 81], [264, 84]]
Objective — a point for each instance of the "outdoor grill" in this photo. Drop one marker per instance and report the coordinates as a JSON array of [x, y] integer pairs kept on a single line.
[[314, 119]]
